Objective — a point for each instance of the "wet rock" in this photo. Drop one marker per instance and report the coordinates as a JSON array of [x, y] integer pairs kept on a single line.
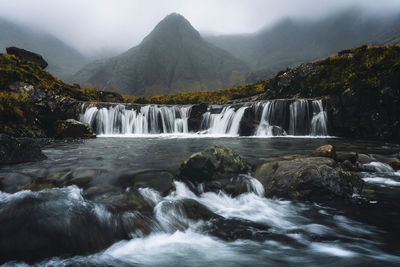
[[73, 129], [179, 211], [14, 150], [349, 166], [27, 55], [81, 178], [325, 151], [159, 180], [364, 158], [249, 123], [117, 200], [393, 162], [195, 116], [233, 186], [57, 222], [234, 229], [14, 182], [307, 178], [350, 156], [216, 162]]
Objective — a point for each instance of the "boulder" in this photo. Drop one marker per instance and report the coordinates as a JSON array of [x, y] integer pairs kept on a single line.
[[27, 55], [216, 162], [14, 150], [307, 178], [57, 222], [350, 156], [106, 96], [364, 158], [72, 129], [233, 186], [325, 151], [159, 180]]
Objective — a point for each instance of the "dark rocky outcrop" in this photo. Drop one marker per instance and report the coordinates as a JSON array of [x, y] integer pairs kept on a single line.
[[14, 150], [159, 180], [307, 178], [39, 225], [27, 55], [216, 162], [195, 116], [72, 129]]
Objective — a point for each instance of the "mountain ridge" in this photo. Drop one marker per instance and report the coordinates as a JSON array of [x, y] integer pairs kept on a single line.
[[172, 58]]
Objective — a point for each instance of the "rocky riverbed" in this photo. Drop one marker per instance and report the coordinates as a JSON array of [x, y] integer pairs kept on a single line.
[[80, 200]]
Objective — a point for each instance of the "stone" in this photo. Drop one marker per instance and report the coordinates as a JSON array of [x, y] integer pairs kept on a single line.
[[307, 178], [13, 150], [159, 180], [195, 116], [216, 162], [350, 156], [72, 129], [325, 151], [364, 158], [27, 55]]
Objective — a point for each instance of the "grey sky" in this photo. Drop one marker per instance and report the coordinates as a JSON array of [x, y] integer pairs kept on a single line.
[[94, 25]]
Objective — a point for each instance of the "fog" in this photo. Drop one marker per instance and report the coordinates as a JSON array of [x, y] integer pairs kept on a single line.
[[94, 26]]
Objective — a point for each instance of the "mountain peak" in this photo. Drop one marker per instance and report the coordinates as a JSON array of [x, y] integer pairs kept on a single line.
[[174, 25]]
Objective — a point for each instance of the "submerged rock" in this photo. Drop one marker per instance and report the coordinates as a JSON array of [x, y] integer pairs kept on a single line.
[[73, 129], [307, 178], [14, 150], [159, 180], [216, 162], [27, 55]]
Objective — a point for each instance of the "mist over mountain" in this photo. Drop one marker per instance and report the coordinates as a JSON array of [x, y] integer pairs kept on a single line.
[[172, 58], [63, 59], [293, 41]]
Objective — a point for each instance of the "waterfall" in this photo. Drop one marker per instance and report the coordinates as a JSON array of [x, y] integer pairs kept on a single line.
[[320, 120], [270, 118], [295, 118], [146, 120], [227, 122]]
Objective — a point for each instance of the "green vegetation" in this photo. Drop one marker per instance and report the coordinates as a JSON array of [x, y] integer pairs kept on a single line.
[[210, 97], [367, 69]]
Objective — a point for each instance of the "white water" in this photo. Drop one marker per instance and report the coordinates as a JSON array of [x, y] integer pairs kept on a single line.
[[225, 123], [278, 118], [178, 240], [300, 122], [147, 120]]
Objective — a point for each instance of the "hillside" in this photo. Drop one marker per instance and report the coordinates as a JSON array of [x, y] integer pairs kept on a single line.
[[172, 58], [291, 42], [364, 69], [31, 99], [63, 60]]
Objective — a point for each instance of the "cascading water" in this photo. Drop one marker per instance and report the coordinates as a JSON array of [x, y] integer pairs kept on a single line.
[[274, 118], [146, 120], [298, 118], [225, 123]]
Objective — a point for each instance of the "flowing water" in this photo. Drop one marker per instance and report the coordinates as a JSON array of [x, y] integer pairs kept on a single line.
[[278, 118], [254, 231]]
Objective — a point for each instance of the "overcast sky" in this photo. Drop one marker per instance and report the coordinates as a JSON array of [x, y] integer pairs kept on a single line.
[[93, 25]]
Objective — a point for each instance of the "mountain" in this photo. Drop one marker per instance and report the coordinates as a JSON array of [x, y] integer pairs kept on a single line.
[[63, 60], [291, 42], [172, 58]]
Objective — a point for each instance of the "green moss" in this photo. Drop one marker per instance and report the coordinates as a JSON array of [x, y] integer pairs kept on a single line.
[[367, 69]]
